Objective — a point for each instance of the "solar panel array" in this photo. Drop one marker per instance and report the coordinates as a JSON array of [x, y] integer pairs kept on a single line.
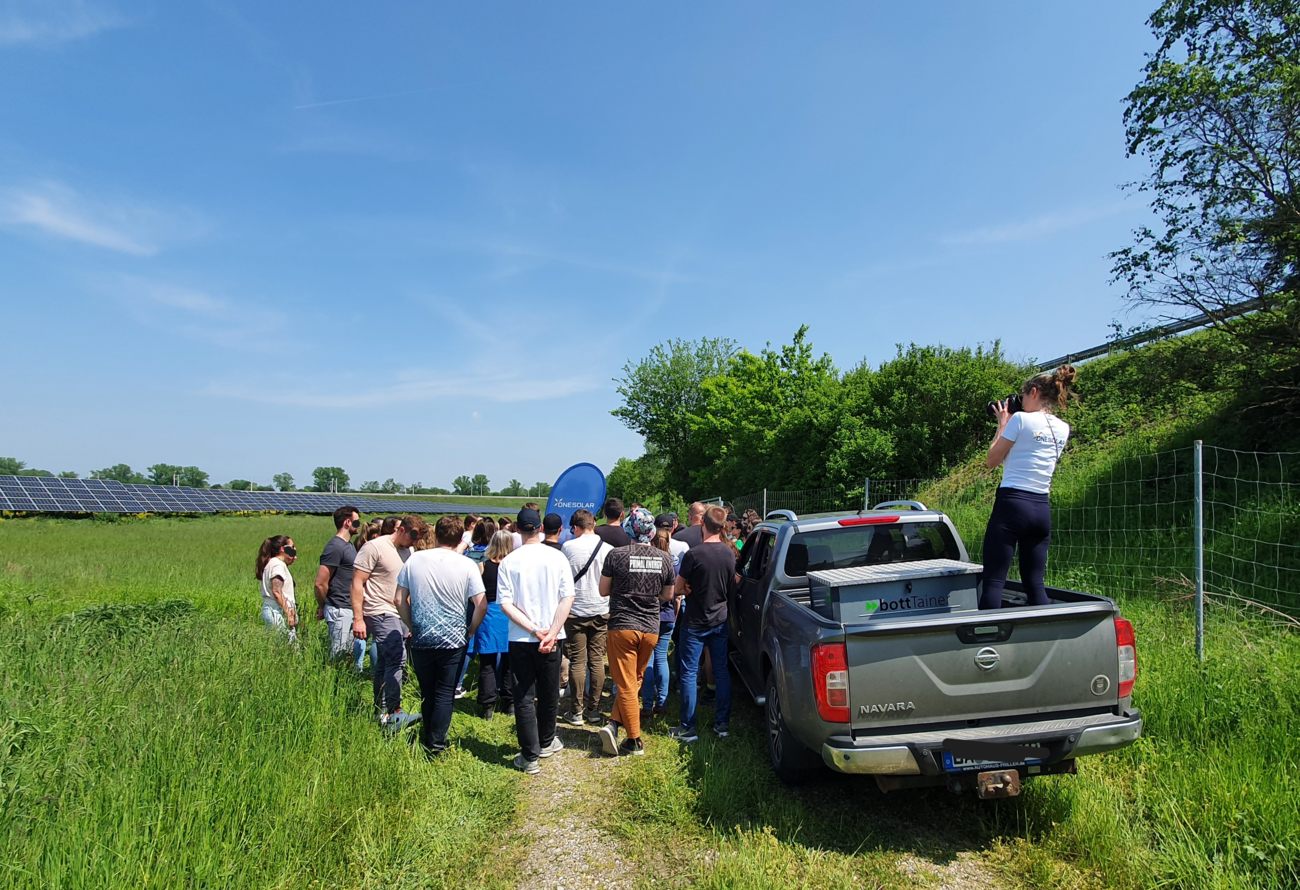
[[47, 494]]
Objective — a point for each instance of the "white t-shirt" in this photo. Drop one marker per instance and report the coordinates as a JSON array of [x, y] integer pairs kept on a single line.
[[441, 581], [534, 579], [275, 568], [677, 549], [518, 539], [1037, 440], [587, 601]]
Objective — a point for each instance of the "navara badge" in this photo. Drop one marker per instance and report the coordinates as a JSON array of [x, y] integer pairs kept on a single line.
[[987, 658]]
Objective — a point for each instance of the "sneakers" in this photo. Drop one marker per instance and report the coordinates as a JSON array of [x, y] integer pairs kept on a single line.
[[395, 722], [573, 718], [720, 731], [531, 767], [555, 747], [609, 738], [632, 748], [460, 692], [683, 734], [593, 716]]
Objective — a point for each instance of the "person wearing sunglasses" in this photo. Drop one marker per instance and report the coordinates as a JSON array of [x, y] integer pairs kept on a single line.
[[334, 588], [279, 609]]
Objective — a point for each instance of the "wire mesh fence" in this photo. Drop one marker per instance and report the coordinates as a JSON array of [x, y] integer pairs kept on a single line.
[[1129, 524]]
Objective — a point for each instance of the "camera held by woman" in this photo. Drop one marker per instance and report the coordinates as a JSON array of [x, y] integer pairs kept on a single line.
[[1029, 442]]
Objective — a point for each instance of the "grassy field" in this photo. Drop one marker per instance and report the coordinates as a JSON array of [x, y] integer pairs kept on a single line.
[[162, 743]]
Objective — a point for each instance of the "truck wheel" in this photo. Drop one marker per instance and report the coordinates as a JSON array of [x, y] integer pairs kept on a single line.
[[791, 761]]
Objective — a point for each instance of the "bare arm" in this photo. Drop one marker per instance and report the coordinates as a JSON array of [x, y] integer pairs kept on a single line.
[[480, 609], [606, 585], [359, 579], [404, 605], [516, 614], [1000, 447], [324, 575], [277, 591], [667, 593], [551, 635]]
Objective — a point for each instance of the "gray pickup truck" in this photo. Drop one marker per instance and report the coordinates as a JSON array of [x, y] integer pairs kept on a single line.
[[861, 637]]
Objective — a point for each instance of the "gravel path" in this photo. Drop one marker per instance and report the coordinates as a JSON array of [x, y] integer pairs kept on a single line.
[[566, 802]]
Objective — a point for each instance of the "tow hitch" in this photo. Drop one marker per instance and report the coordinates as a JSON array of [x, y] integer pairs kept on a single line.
[[998, 783]]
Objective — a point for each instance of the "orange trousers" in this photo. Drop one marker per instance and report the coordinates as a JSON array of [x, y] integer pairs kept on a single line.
[[628, 652]]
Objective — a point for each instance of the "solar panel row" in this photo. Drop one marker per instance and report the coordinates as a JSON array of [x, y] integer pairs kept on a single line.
[[46, 494]]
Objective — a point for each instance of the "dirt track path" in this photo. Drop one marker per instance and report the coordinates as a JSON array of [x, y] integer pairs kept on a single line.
[[561, 825]]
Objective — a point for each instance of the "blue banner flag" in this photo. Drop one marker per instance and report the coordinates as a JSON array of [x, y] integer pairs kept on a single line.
[[580, 487]]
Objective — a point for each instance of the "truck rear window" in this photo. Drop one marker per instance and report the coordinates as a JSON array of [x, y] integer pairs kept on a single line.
[[868, 545]]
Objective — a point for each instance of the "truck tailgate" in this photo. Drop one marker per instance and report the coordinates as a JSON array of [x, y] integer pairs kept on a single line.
[[975, 667]]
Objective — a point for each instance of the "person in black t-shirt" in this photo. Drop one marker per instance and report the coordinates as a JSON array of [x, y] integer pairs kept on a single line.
[[705, 580], [693, 534], [334, 587], [612, 531]]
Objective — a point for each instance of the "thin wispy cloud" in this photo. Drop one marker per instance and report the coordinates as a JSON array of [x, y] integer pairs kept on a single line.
[[1033, 229], [410, 387], [120, 225], [53, 21], [198, 315], [366, 98]]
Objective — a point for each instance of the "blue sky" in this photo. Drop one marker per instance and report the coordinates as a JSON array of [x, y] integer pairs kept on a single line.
[[419, 239]]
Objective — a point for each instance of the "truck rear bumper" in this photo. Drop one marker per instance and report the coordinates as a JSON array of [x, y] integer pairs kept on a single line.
[[918, 753]]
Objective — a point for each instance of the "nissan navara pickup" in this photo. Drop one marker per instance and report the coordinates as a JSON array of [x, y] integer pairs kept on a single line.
[[861, 637]]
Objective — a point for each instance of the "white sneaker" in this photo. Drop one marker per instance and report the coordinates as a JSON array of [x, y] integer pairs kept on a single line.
[[609, 738], [531, 767], [555, 747]]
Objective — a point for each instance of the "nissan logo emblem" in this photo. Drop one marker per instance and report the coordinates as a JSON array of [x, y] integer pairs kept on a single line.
[[987, 658]]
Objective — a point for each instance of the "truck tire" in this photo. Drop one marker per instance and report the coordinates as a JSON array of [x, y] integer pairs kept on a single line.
[[791, 761]]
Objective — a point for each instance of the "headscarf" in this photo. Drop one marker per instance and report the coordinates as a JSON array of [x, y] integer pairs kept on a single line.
[[640, 526]]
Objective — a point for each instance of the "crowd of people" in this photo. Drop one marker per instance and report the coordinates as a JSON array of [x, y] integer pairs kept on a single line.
[[545, 619]]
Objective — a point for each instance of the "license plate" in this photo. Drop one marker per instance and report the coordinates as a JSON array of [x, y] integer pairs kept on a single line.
[[954, 764]]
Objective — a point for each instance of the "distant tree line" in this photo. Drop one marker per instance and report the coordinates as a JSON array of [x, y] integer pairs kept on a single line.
[[323, 479]]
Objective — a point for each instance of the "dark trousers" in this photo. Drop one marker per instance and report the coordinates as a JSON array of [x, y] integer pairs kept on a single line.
[[537, 696], [389, 635], [438, 671], [494, 679], [1020, 519]]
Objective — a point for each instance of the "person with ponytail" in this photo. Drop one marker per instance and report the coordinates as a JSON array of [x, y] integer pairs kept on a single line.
[[279, 609], [1027, 446]]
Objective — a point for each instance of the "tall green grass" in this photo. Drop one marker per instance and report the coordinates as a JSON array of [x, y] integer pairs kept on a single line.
[[163, 744]]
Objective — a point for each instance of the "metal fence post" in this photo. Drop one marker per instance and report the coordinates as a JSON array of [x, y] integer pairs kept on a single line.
[[1198, 515], [866, 494], [765, 503]]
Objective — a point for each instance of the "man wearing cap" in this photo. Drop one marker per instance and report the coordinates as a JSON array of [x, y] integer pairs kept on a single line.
[[655, 686], [551, 526], [637, 579], [584, 631], [535, 591]]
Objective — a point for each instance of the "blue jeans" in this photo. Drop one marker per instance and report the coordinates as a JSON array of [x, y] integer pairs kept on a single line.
[[694, 639], [654, 688]]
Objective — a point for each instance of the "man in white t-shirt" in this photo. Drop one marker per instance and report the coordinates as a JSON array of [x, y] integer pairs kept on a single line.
[[374, 605], [585, 629], [535, 591], [433, 589]]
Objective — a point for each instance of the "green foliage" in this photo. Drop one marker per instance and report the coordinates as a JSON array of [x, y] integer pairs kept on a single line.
[[480, 484], [390, 487], [371, 487], [539, 490], [283, 481], [11, 466], [68, 474], [119, 473], [162, 474], [323, 477], [239, 485], [514, 489], [662, 391], [1215, 115], [462, 485]]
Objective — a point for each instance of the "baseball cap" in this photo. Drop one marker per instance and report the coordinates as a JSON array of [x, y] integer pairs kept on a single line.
[[528, 520], [665, 520], [552, 523]]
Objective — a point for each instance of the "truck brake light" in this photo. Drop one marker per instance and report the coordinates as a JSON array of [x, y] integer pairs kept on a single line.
[[868, 520], [830, 664], [1128, 659]]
